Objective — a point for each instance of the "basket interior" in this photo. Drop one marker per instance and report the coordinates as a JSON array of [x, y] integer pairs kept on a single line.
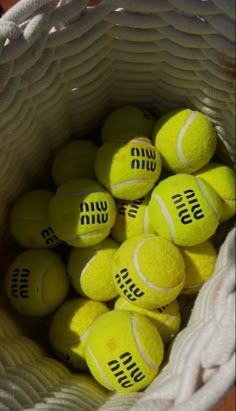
[[62, 70]]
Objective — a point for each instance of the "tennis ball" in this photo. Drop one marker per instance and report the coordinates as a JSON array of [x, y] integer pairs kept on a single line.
[[36, 282], [200, 263], [69, 329], [222, 179], [74, 160], [124, 351], [127, 122], [185, 139], [29, 221], [167, 319], [185, 209], [132, 219], [91, 270], [82, 212], [148, 271], [128, 170]]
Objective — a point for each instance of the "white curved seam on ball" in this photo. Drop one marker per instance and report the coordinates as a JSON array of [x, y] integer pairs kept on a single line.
[[86, 333], [129, 182], [191, 287], [230, 200], [139, 344], [85, 235], [93, 233], [87, 266], [99, 368], [166, 215], [207, 198], [160, 329], [146, 220], [183, 130], [140, 274], [122, 305], [140, 142], [74, 341], [35, 218]]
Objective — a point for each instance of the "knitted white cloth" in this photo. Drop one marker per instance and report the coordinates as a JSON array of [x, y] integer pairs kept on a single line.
[[63, 66]]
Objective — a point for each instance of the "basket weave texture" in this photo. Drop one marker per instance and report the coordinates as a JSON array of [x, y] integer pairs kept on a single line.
[[63, 66]]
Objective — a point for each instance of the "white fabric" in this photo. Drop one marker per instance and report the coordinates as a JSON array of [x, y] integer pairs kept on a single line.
[[62, 68]]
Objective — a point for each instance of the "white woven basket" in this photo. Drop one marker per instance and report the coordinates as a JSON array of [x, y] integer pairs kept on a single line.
[[62, 67]]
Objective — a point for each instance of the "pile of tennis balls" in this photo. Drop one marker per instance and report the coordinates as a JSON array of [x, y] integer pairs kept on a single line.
[[137, 215]]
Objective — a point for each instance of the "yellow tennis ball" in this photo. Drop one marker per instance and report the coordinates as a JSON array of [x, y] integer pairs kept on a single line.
[[222, 179], [167, 319], [29, 220], [132, 219], [82, 212], [128, 170], [74, 160], [69, 329], [124, 351], [91, 270], [36, 282], [126, 122], [149, 271], [185, 139], [200, 263], [185, 209]]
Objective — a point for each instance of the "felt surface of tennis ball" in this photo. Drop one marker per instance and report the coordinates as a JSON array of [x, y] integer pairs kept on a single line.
[[149, 271], [29, 220], [128, 170], [36, 282], [74, 160], [186, 140], [199, 263], [126, 122], [69, 329], [90, 269], [124, 351], [185, 209], [82, 212], [167, 319], [222, 179], [132, 219]]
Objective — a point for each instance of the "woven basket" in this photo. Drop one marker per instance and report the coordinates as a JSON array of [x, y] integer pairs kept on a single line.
[[63, 66]]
